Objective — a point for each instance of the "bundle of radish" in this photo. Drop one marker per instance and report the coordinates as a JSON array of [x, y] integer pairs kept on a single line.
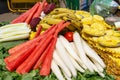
[[14, 32], [36, 53], [87, 51], [70, 57]]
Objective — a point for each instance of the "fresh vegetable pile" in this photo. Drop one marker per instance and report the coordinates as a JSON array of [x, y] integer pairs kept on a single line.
[[51, 54], [34, 74], [39, 56], [39, 49]]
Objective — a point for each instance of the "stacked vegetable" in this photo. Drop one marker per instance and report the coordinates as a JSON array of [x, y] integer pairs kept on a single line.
[[39, 49], [73, 56], [50, 53], [68, 57]]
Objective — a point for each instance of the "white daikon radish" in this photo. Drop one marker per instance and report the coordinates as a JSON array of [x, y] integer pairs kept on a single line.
[[64, 56], [70, 50], [16, 37], [61, 64], [79, 46], [101, 74], [73, 46], [95, 68], [56, 71], [76, 65], [92, 54], [92, 65], [99, 67], [20, 32], [67, 78]]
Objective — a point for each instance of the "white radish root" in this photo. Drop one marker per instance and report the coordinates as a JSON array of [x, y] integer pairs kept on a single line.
[[81, 63], [92, 54], [64, 56], [61, 64], [76, 65], [70, 50], [82, 55], [56, 71]]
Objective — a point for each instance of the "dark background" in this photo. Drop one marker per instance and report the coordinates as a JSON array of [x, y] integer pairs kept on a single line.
[[3, 6]]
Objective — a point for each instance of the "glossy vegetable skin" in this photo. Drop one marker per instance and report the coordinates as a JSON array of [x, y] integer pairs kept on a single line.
[[69, 36]]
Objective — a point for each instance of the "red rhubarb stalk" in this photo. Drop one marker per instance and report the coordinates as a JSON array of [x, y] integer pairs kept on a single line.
[[11, 66], [31, 60], [40, 9], [24, 16], [15, 56], [38, 31], [24, 45], [31, 14], [45, 69], [62, 26], [42, 57]]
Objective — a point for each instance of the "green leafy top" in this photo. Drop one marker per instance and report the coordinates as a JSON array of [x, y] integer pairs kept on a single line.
[[3, 23]]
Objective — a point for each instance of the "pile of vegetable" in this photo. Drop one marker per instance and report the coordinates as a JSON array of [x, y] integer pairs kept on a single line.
[[39, 49], [76, 55], [34, 74], [39, 57], [49, 55]]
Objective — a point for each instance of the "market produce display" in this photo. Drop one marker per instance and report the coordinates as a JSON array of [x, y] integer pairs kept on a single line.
[[58, 44]]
